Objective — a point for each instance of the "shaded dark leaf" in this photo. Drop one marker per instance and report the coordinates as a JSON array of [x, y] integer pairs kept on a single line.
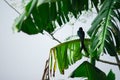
[[110, 48], [29, 27], [48, 12], [111, 76], [88, 70]]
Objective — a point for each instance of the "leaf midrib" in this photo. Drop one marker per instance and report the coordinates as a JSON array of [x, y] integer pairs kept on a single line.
[[106, 24]]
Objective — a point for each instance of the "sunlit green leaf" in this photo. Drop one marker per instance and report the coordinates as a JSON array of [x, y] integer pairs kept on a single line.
[[68, 53]]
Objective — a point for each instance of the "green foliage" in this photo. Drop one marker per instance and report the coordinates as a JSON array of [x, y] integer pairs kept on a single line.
[[26, 20], [66, 54], [104, 32], [90, 71], [111, 76], [38, 17]]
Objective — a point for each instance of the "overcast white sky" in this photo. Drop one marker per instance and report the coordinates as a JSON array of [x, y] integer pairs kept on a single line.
[[22, 57]]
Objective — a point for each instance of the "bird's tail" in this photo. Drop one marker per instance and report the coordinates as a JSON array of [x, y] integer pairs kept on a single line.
[[85, 49]]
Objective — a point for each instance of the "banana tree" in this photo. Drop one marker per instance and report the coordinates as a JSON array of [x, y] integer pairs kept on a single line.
[[46, 15]]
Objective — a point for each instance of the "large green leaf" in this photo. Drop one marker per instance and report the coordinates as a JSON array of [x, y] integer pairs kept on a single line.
[[43, 15], [89, 71], [66, 54], [111, 76], [105, 32]]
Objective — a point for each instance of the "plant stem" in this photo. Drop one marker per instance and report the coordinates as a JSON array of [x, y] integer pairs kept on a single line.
[[46, 71], [55, 38], [12, 7], [52, 37], [118, 61], [112, 63]]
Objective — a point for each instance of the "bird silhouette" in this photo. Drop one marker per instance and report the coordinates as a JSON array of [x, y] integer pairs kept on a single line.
[[81, 35]]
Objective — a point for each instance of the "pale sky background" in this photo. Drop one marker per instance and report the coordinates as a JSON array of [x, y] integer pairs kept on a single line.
[[23, 57]]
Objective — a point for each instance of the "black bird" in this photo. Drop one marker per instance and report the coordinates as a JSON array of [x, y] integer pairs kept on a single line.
[[81, 35]]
